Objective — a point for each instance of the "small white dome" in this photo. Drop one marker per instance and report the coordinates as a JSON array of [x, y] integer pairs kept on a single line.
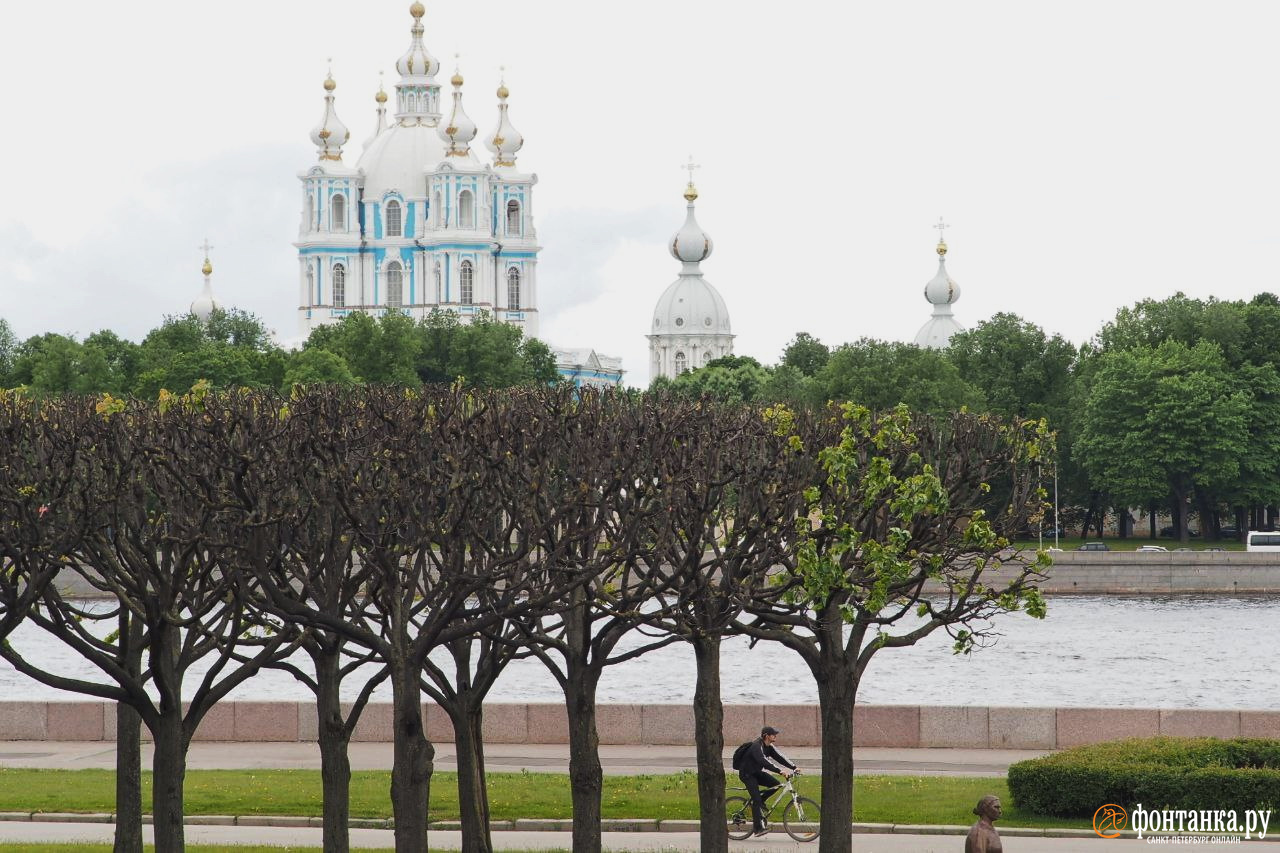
[[941, 290], [505, 140], [417, 62], [691, 244], [459, 130], [330, 134], [396, 160], [204, 304], [690, 306]]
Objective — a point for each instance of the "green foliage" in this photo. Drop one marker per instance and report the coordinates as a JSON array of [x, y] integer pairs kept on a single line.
[[805, 354], [881, 375], [1021, 371], [1163, 420], [233, 349], [1159, 773]]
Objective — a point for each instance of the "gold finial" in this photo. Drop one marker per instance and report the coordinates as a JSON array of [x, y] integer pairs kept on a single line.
[[207, 269], [502, 82], [456, 79], [942, 243], [381, 97], [691, 192], [417, 10], [329, 84]]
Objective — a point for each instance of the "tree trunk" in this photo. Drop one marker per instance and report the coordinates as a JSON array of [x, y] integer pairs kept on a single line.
[[586, 778], [412, 761], [708, 719], [335, 763], [836, 694], [128, 832], [168, 769], [473, 795], [1152, 516]]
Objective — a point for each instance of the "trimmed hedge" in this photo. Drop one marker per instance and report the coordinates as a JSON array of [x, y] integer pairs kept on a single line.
[[1159, 773]]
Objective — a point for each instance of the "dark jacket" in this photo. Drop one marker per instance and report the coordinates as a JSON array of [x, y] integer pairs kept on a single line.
[[757, 759]]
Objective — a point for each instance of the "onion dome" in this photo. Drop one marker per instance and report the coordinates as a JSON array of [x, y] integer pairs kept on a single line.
[[417, 62], [691, 244], [459, 130], [330, 134], [505, 140], [941, 292], [204, 304]]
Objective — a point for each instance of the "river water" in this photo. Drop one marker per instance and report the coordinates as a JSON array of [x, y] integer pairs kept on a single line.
[[1186, 652]]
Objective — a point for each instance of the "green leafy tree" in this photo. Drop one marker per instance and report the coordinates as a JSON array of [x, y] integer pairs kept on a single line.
[[1160, 422], [730, 379], [806, 354], [317, 367], [232, 349], [1021, 371], [881, 374]]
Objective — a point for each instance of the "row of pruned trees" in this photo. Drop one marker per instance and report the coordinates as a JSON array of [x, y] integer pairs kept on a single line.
[[427, 539]]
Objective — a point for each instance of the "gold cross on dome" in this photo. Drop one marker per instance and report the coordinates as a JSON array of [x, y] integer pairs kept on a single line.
[[206, 247], [942, 227]]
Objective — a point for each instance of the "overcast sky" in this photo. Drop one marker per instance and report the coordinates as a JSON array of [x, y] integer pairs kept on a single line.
[[1086, 154]]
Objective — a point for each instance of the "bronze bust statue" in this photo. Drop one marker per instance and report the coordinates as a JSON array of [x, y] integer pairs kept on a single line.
[[983, 837]]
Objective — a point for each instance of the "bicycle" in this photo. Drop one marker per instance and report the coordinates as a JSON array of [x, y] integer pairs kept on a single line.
[[800, 815]]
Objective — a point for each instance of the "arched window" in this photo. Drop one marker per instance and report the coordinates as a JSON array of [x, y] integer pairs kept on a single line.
[[706, 357], [395, 284], [513, 288], [466, 279], [338, 213], [395, 224], [513, 217], [466, 209], [339, 285], [682, 363]]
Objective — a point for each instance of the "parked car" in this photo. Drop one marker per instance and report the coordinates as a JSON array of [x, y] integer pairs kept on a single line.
[[1169, 532], [1094, 546], [1231, 532], [1154, 549]]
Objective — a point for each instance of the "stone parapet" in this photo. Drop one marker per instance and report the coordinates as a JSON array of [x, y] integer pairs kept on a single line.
[[884, 726]]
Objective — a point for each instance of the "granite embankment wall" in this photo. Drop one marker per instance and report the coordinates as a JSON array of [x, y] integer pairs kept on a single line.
[[1155, 573], [904, 726]]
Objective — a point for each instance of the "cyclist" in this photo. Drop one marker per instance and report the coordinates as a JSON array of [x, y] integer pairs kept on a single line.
[[759, 783]]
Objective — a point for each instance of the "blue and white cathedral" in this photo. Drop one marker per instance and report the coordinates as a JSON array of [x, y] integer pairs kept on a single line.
[[420, 222]]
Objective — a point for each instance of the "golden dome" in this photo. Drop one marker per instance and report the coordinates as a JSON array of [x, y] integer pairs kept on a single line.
[[502, 92], [207, 269], [329, 84], [381, 97], [942, 248], [690, 192], [456, 79], [417, 10]]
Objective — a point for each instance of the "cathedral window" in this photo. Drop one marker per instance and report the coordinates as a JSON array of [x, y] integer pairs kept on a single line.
[[682, 363], [339, 285], [466, 209], [395, 223], [513, 217], [395, 284], [338, 213], [513, 288], [466, 280]]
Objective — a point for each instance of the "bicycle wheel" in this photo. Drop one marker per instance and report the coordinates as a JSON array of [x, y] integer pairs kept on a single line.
[[800, 818], [739, 811]]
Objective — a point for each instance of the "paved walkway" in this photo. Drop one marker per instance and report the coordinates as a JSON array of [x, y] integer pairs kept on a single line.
[[673, 842], [545, 758]]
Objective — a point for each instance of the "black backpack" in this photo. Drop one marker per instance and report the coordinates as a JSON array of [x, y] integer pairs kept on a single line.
[[740, 755]]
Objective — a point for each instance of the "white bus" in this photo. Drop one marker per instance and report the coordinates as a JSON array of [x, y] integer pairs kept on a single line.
[[1259, 540]]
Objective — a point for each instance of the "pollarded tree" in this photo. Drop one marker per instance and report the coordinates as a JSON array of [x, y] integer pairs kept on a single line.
[[904, 533], [720, 532]]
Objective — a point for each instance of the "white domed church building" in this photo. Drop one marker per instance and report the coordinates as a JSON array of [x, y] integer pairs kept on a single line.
[[420, 221]]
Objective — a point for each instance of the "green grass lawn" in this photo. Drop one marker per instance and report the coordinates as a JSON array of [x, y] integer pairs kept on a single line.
[[878, 799]]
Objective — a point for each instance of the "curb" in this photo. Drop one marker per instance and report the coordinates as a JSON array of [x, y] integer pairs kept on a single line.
[[560, 825]]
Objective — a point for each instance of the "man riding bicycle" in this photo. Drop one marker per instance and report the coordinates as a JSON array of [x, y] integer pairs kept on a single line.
[[759, 783]]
